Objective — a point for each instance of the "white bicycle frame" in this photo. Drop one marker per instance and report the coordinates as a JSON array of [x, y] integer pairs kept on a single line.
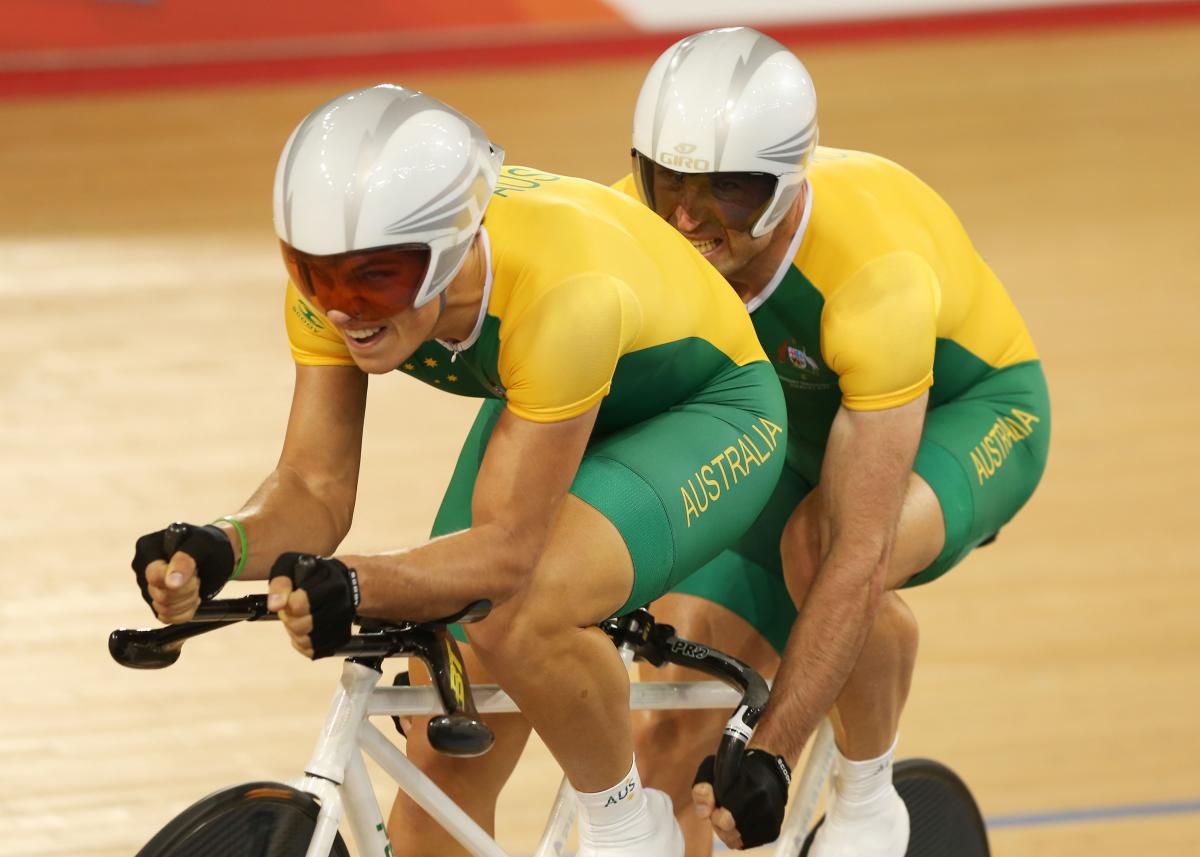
[[336, 775]]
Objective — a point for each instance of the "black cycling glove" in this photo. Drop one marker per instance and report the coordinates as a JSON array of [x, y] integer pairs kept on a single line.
[[758, 797], [332, 596], [208, 546]]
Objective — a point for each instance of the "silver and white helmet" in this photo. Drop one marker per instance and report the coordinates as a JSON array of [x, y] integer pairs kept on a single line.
[[386, 166], [728, 100]]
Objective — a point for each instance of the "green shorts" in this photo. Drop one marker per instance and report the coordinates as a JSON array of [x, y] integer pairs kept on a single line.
[[680, 486], [982, 453]]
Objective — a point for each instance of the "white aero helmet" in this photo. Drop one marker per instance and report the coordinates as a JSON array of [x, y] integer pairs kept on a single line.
[[725, 101], [384, 167]]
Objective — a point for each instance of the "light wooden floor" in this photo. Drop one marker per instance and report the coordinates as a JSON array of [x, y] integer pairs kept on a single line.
[[144, 377]]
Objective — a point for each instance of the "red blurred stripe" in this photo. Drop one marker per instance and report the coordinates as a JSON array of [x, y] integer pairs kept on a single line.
[[569, 45]]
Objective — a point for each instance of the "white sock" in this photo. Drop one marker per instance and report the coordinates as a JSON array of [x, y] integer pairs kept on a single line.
[[861, 782], [606, 816]]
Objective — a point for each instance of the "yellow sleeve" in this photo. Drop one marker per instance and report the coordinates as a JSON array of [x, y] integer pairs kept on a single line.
[[558, 354], [313, 339], [879, 331]]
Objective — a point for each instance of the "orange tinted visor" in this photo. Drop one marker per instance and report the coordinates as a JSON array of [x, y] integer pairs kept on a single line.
[[367, 285]]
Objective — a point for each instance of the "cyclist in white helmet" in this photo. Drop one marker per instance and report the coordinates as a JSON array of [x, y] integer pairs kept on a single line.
[[410, 248], [918, 424]]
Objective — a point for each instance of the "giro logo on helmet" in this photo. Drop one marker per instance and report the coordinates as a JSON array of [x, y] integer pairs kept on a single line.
[[693, 165], [685, 148]]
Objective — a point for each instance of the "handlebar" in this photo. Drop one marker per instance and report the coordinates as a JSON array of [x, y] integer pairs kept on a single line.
[[155, 648], [459, 731], [658, 644]]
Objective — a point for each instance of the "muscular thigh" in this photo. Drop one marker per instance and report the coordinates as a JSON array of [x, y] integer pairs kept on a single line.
[[981, 455], [673, 491], [583, 576], [920, 533]]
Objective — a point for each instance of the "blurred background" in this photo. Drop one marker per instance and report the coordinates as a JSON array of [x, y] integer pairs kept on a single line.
[[145, 376]]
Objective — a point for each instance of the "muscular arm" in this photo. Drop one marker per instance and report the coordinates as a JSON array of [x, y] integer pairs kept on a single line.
[[525, 476], [307, 502], [864, 477]]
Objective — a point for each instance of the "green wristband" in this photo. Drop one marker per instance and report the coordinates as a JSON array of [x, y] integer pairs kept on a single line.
[[241, 531]]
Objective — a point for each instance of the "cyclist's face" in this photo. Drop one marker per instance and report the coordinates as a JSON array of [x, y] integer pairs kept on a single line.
[[715, 212], [368, 296]]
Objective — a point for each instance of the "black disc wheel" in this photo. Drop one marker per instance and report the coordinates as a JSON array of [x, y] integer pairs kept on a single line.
[[944, 820], [250, 820]]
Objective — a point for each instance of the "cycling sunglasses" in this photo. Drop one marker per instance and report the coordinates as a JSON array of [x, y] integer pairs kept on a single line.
[[367, 285]]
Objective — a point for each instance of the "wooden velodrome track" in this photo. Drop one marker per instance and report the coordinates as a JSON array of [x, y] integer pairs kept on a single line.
[[145, 377]]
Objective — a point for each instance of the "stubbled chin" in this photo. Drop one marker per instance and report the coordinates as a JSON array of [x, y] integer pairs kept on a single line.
[[373, 365], [723, 263], [397, 343], [379, 361]]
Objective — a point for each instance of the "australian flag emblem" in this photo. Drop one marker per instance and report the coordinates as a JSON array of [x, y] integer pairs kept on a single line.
[[798, 358]]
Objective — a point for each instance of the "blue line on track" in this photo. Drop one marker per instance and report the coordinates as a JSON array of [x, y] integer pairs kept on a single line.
[[1100, 813]]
